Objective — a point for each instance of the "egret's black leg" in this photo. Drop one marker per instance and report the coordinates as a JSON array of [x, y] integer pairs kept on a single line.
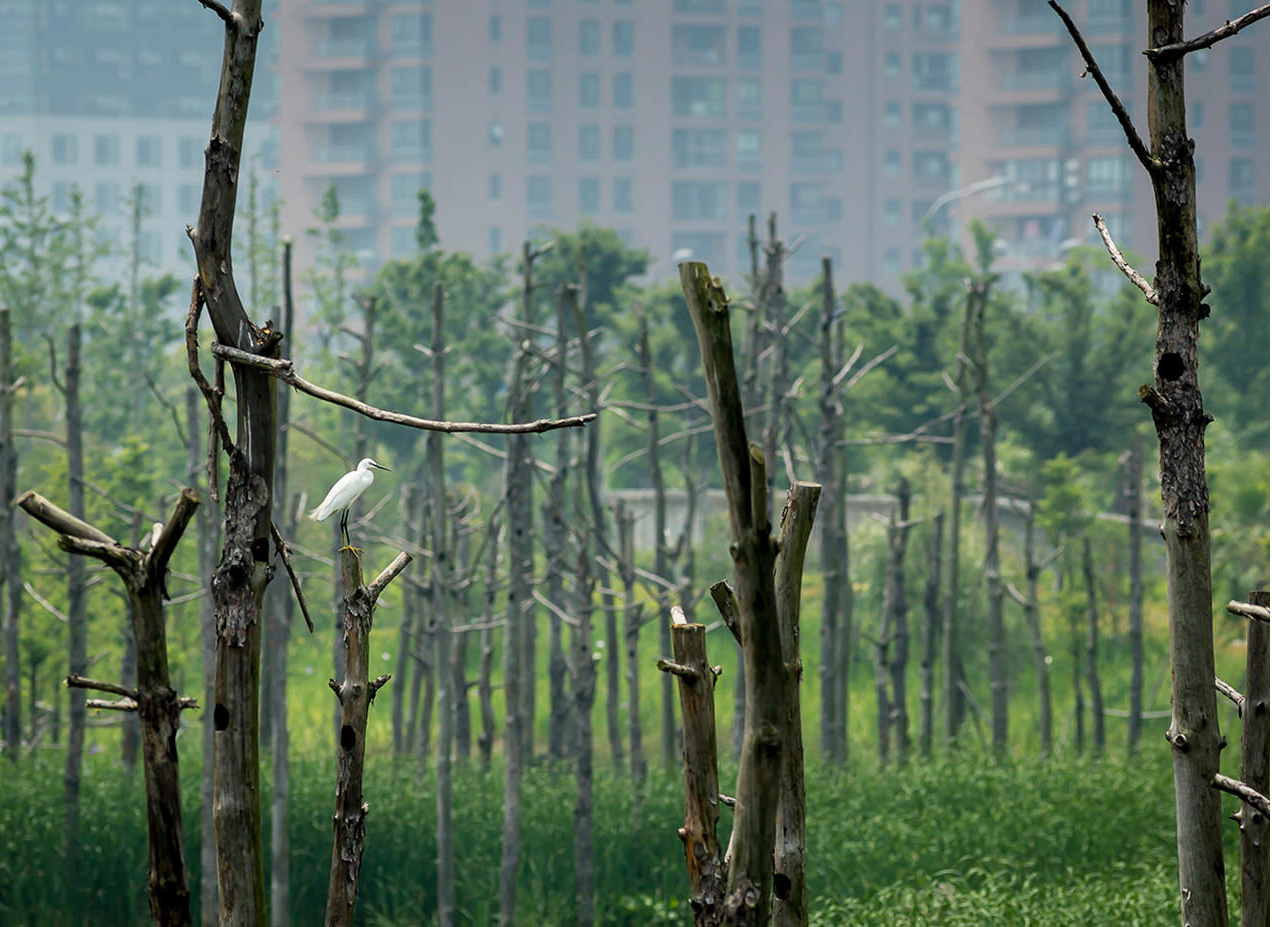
[[344, 526]]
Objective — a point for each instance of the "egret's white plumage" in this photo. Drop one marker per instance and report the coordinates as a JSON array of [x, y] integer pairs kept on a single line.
[[345, 492]]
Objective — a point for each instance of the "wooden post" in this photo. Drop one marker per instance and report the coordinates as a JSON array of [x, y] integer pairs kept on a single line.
[[1254, 772]]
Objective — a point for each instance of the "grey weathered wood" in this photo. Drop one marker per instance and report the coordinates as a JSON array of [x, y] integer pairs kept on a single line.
[[10, 556], [1135, 632], [1093, 651], [354, 695], [583, 694], [953, 693], [554, 542], [931, 632], [790, 887], [632, 621], [153, 699], [76, 611], [1042, 670], [899, 658]]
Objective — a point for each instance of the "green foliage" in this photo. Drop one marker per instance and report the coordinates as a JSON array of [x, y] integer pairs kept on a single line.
[[1234, 377]]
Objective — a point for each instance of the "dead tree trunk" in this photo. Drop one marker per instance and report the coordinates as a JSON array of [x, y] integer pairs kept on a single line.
[[667, 714], [898, 535], [883, 704], [144, 573], [1175, 401], [278, 629], [485, 669], [441, 588], [77, 615], [406, 697], [1254, 773], [238, 586], [10, 576], [979, 296], [354, 695], [1134, 477], [554, 537], [837, 594], [952, 618], [1079, 699], [632, 622], [460, 586], [1042, 668], [1093, 651], [750, 879], [931, 632], [583, 676], [790, 887]]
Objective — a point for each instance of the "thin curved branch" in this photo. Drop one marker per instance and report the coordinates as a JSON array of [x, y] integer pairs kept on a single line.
[[285, 371], [1131, 273], [1150, 163], [1166, 53], [220, 11]]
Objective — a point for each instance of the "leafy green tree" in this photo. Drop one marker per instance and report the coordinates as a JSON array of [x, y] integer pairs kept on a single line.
[[1234, 338]]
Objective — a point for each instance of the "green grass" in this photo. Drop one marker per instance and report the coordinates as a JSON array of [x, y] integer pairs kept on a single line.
[[956, 841]]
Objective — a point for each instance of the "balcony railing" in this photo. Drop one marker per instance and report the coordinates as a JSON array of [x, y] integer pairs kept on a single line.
[[343, 48], [344, 99], [1033, 136]]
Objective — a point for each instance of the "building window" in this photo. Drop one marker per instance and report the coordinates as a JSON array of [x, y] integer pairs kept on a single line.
[[494, 28], [1241, 176], [748, 149], [411, 88], [404, 192], [1109, 177], [589, 37], [699, 199], [623, 91], [807, 104], [589, 90], [539, 91], [750, 98], [1241, 125], [624, 143], [496, 81], [806, 202], [700, 147], [935, 71], [190, 152], [748, 197], [892, 113], [539, 142], [589, 143], [106, 150], [411, 140], [65, 148], [892, 16], [411, 33], [624, 38], [495, 133], [892, 261], [892, 162], [749, 46], [622, 195], [698, 46], [189, 198], [148, 149], [494, 241], [539, 38], [1242, 74], [106, 198], [495, 186], [589, 195], [698, 96], [892, 211], [806, 49], [539, 196], [402, 242]]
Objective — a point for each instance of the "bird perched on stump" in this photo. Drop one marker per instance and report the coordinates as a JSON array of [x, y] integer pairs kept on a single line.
[[345, 492]]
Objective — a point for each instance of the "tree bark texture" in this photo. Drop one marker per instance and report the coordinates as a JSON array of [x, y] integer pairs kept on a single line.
[[632, 621], [554, 538], [354, 694], [583, 678], [837, 593], [754, 553], [790, 888], [485, 668], [245, 569], [1093, 651], [931, 632], [696, 681], [144, 573], [1254, 773], [1042, 669]]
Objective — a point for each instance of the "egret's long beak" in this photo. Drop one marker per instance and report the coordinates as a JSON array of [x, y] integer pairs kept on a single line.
[[381, 467]]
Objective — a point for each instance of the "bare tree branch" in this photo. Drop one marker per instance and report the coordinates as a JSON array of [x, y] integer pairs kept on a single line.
[[1252, 797], [1246, 610], [1231, 27], [1132, 137], [220, 11], [83, 682], [285, 553], [1232, 694], [285, 371], [1131, 273]]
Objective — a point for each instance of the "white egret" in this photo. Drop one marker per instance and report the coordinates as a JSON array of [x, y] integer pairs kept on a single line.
[[345, 493]]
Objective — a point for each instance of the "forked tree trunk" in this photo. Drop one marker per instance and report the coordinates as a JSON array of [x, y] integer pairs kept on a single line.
[[354, 695], [931, 632], [1093, 651], [143, 573]]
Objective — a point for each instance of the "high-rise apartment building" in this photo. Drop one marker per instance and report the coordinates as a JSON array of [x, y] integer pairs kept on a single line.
[[110, 94]]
